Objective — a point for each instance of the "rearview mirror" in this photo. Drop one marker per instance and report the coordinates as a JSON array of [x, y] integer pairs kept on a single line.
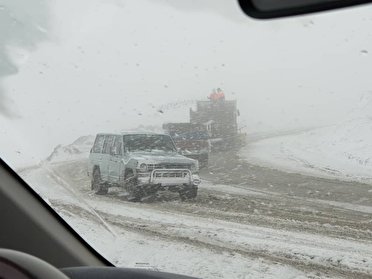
[[282, 8]]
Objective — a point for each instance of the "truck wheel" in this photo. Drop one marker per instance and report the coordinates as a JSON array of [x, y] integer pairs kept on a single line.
[[97, 185], [188, 193], [136, 193]]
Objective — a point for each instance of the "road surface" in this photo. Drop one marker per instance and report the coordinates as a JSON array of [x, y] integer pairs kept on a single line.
[[319, 227]]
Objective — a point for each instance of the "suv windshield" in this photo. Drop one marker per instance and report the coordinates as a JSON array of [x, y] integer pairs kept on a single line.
[[148, 143]]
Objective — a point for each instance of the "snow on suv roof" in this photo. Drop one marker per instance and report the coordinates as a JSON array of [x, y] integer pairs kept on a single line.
[[133, 133], [141, 133]]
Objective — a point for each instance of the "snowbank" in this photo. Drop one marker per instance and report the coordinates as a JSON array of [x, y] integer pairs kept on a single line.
[[343, 151], [77, 150]]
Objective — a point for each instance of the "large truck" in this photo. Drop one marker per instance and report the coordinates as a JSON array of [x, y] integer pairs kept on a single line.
[[191, 139], [220, 117]]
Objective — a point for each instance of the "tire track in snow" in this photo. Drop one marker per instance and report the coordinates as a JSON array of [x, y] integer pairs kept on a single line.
[[242, 205], [155, 229], [232, 207]]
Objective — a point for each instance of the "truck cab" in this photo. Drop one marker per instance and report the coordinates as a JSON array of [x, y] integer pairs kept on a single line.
[[192, 140]]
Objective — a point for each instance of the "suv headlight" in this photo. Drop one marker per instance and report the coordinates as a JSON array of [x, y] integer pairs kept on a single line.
[[142, 167]]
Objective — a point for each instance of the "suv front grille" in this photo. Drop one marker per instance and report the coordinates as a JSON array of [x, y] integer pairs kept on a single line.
[[152, 167]]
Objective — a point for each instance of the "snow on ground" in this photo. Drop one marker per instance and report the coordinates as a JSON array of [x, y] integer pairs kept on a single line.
[[343, 151], [128, 248], [190, 244], [203, 246], [231, 189], [177, 257], [305, 247]]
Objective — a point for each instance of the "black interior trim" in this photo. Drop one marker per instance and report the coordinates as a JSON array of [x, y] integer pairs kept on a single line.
[[118, 273], [251, 10], [6, 205]]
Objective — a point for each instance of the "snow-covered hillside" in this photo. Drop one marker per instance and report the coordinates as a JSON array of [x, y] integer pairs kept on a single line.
[[343, 150], [79, 149]]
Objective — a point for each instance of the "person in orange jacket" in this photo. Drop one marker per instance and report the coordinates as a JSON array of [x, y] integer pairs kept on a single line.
[[220, 94], [213, 96]]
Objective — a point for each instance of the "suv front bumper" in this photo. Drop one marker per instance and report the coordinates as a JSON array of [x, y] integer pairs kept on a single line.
[[169, 177]]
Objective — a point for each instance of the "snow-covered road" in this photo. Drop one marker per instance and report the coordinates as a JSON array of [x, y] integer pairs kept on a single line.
[[229, 231]]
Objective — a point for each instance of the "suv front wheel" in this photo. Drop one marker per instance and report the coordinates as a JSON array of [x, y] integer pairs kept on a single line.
[[136, 192], [97, 184]]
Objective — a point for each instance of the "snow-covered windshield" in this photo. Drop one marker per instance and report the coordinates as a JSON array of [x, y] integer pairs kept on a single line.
[[280, 184], [148, 143]]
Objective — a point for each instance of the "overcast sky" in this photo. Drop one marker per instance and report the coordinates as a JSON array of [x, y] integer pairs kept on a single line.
[[71, 68]]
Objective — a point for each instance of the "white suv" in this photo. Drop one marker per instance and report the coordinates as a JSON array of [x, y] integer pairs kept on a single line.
[[142, 163]]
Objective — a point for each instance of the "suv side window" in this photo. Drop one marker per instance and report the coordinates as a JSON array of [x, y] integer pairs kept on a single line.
[[118, 145], [98, 144], [108, 143]]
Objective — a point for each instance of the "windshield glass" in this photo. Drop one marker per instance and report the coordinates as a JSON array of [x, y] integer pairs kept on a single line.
[[148, 143], [96, 97]]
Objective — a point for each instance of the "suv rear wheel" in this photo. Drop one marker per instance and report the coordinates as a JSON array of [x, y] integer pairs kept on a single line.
[[97, 184]]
